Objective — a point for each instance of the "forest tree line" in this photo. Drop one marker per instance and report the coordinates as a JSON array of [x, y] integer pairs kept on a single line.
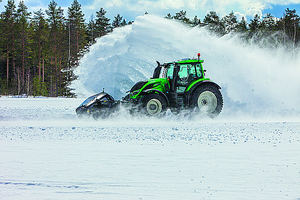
[[266, 31], [40, 50]]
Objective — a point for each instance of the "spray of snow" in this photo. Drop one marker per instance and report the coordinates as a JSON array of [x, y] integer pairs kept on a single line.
[[256, 81]]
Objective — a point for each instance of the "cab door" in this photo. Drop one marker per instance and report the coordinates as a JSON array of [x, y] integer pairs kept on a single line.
[[184, 76]]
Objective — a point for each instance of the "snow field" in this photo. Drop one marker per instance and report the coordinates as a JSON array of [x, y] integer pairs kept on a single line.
[[47, 153]]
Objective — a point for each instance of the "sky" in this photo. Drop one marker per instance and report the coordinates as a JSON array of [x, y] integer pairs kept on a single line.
[[130, 9]]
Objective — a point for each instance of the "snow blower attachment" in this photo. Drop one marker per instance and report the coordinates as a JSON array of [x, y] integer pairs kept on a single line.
[[179, 85], [98, 105]]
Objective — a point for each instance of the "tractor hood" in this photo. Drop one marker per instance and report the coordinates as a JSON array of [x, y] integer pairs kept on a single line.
[[152, 83], [156, 83], [157, 80], [139, 85]]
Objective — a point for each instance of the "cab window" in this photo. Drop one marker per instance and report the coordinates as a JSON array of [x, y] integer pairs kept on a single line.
[[170, 71], [184, 71], [187, 71], [104, 99], [199, 72]]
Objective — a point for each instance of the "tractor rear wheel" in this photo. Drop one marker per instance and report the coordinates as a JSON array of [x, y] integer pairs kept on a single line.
[[207, 99], [154, 105]]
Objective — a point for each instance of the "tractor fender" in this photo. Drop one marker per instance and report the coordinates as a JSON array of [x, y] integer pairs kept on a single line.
[[206, 82], [149, 91]]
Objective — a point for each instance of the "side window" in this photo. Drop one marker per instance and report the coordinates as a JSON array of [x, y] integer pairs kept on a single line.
[[199, 72], [104, 99], [163, 73], [192, 70], [183, 72], [170, 71]]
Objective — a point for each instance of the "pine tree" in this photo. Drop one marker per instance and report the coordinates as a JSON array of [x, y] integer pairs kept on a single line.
[[39, 87], [8, 18], [196, 21], [230, 23], [181, 16], [268, 23], [102, 25], [23, 46], [117, 21], [255, 24], [91, 29], [214, 23], [77, 33], [168, 16], [269, 32], [2, 70], [40, 46], [123, 23], [56, 23], [242, 26], [290, 23]]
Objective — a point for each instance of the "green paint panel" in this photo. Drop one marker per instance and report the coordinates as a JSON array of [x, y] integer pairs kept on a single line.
[[196, 81], [190, 61], [158, 84], [186, 61]]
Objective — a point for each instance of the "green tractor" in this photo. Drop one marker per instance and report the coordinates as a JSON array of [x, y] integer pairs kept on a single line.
[[179, 85]]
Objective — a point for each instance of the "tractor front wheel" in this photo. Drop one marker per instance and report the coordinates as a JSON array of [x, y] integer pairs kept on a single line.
[[154, 105], [207, 99]]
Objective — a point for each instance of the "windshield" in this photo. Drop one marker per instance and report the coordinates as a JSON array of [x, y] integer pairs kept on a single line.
[[88, 100], [170, 71], [199, 70], [187, 70]]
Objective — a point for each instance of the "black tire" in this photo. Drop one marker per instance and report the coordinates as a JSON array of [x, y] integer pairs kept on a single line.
[[207, 99], [154, 105]]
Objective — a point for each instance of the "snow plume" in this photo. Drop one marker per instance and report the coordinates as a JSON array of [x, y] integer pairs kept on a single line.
[[256, 81]]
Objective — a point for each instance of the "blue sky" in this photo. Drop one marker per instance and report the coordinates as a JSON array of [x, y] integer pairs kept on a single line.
[[133, 8], [278, 10]]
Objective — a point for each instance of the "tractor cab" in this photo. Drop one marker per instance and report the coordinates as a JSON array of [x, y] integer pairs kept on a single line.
[[182, 73]]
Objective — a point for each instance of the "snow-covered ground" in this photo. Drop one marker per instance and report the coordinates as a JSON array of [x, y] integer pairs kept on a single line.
[[47, 153]]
